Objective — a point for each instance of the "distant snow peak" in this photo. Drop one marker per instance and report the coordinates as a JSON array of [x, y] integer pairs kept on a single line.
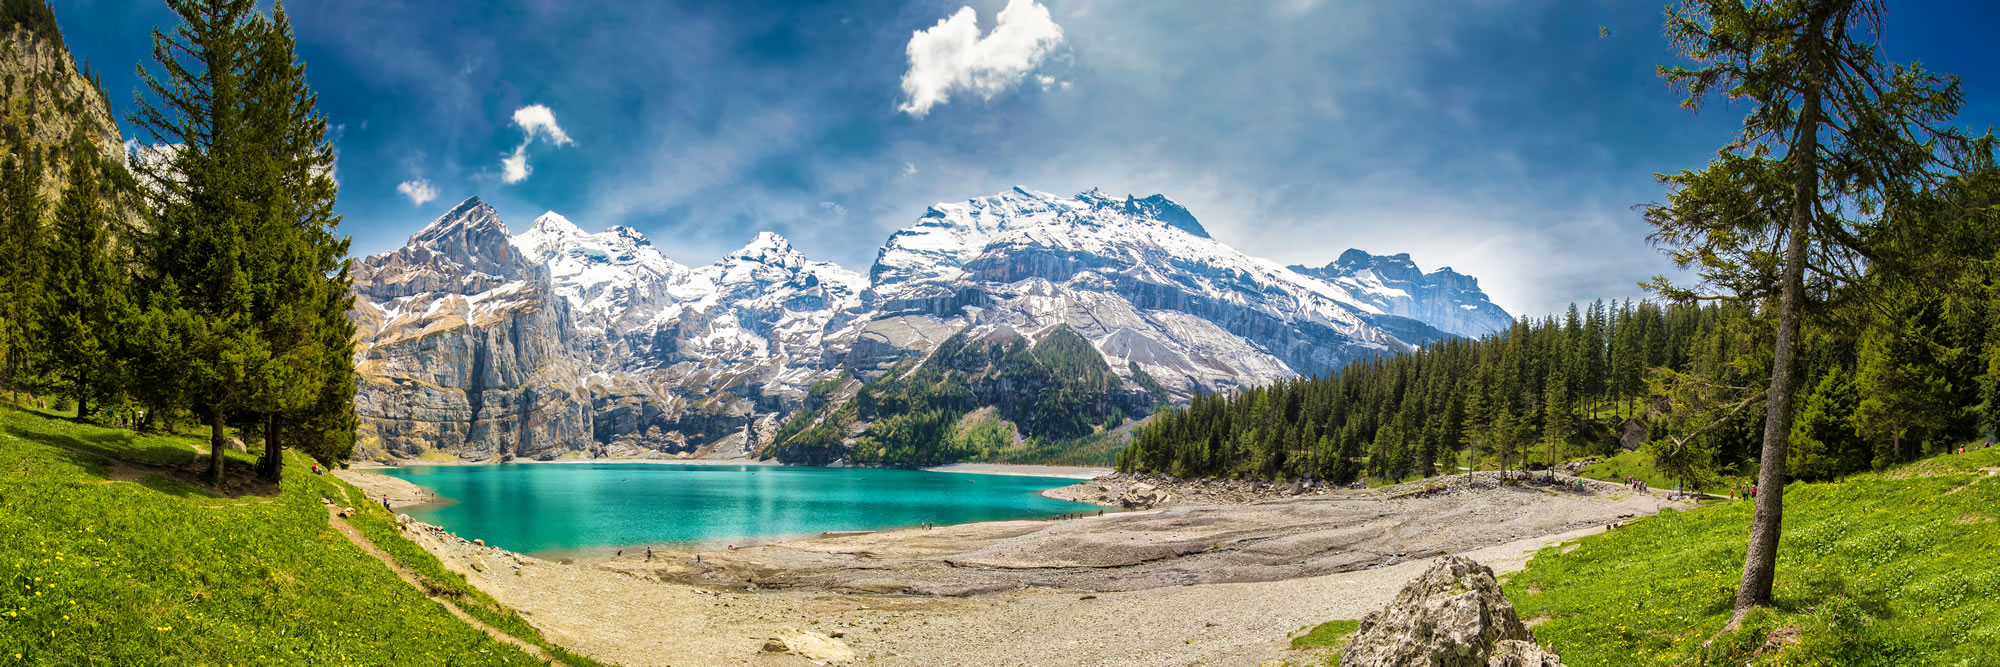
[[766, 247], [1443, 298], [1159, 207]]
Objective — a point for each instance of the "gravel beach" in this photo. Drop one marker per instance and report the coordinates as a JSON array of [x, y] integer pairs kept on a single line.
[[1216, 584]]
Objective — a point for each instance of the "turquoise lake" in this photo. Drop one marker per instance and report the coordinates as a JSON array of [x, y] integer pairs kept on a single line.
[[593, 507]]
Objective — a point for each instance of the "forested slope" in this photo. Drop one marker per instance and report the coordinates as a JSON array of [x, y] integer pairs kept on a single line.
[[1058, 387], [1912, 369]]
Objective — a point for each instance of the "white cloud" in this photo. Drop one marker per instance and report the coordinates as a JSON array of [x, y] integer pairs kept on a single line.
[[909, 169], [419, 191], [539, 122], [835, 210], [514, 168], [952, 57], [1046, 81]]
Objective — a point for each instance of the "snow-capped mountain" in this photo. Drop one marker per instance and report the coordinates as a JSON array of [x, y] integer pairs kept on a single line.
[[1139, 278], [557, 342], [1444, 298]]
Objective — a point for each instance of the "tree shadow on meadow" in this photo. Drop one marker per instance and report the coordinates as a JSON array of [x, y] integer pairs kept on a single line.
[[164, 464]]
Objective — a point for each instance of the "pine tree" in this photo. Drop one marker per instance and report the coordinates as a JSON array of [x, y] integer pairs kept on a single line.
[[1558, 422], [85, 289], [1902, 394], [294, 262], [1851, 135], [202, 208], [22, 259], [1825, 442]]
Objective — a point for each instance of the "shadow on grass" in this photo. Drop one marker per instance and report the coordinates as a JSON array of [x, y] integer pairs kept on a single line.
[[163, 464]]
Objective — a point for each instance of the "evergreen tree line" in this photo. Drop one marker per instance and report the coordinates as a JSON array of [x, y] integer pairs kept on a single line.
[[229, 300], [1894, 367]]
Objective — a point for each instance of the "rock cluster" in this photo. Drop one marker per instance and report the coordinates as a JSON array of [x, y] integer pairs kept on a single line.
[[1454, 615], [1149, 491]]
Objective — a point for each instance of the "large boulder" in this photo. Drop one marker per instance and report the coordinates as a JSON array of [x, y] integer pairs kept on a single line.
[[1451, 616]]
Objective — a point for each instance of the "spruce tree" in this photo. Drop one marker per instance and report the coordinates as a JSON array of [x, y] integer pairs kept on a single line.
[[1903, 395], [1833, 137], [84, 287], [202, 207], [22, 259], [295, 259]]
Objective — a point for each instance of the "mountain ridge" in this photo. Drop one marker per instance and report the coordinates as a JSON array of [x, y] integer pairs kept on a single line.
[[557, 342]]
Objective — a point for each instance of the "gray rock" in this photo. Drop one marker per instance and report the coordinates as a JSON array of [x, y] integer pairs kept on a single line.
[[1450, 616], [1517, 653], [235, 445]]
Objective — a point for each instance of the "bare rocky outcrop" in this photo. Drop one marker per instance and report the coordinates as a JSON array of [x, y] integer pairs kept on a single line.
[[1454, 615], [461, 349]]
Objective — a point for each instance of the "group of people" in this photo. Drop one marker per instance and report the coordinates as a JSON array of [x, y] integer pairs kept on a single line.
[[1638, 485], [1747, 493]]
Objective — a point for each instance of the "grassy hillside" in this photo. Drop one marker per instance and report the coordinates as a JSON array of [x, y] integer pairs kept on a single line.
[[1879, 569], [113, 557]]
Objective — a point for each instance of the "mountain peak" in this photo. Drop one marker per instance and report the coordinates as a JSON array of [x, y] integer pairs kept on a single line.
[[470, 216], [1160, 207], [472, 235], [550, 234], [765, 246], [555, 222]]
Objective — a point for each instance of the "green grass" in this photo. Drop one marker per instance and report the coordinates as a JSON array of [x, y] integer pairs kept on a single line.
[[380, 527], [1322, 643], [1639, 465], [1328, 635], [154, 569], [1878, 569]]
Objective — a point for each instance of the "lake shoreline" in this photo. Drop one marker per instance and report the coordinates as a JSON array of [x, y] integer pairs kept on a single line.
[[372, 465], [904, 498], [1219, 584], [1022, 470]]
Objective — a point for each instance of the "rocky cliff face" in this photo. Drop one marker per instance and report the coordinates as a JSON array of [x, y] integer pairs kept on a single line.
[[1445, 299], [463, 351], [555, 342]]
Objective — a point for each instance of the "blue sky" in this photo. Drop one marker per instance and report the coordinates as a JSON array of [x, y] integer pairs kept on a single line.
[[1505, 138]]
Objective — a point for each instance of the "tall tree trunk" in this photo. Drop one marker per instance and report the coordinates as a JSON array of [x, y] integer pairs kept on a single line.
[[82, 406], [217, 449], [1760, 563], [273, 465]]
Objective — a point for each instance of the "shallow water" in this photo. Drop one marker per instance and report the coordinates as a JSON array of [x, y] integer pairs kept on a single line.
[[593, 507]]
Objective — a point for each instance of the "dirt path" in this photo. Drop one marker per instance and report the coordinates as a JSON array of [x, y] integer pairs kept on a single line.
[[355, 536]]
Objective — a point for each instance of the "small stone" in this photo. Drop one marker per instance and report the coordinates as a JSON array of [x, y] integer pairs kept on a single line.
[[480, 542], [775, 645]]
